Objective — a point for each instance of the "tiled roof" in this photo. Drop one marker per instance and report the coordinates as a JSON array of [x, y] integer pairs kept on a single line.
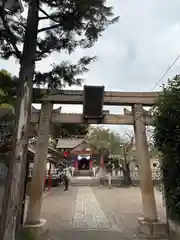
[[69, 143], [32, 149]]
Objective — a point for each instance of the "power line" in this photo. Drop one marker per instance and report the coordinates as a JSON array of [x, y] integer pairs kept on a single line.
[[166, 72], [159, 80]]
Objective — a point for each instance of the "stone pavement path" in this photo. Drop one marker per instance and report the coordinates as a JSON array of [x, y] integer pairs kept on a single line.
[[94, 213], [123, 206], [88, 213]]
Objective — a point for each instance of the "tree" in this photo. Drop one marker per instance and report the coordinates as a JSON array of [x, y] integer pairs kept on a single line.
[[71, 24], [104, 141], [126, 147], [7, 90], [6, 130], [6, 116], [67, 25], [7, 102], [166, 136], [67, 130]]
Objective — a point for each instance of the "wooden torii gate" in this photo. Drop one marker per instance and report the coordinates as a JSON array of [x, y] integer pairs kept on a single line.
[[137, 117]]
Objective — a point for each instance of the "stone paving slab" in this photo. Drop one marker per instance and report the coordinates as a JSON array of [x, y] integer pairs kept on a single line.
[[79, 223]]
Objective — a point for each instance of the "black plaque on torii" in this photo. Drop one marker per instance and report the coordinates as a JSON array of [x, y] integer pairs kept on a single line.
[[93, 102]]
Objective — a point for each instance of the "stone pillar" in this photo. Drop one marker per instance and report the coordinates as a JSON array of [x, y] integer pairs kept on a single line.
[[37, 185], [109, 180], [50, 177], [73, 169], [93, 170], [113, 172], [145, 174], [149, 224]]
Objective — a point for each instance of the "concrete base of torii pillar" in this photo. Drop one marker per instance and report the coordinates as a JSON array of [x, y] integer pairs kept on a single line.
[[152, 230], [38, 231]]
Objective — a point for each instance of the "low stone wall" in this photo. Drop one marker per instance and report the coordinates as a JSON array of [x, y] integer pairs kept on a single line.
[[156, 182], [174, 230], [119, 181], [133, 174]]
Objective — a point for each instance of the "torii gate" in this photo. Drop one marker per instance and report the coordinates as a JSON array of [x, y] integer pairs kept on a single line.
[[138, 117]]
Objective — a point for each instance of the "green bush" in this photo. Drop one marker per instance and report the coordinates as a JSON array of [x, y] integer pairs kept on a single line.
[[167, 141]]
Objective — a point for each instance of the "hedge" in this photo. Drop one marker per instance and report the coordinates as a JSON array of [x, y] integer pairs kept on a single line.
[[167, 141]]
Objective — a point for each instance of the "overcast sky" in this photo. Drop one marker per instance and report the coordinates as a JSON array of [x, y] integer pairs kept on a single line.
[[134, 53]]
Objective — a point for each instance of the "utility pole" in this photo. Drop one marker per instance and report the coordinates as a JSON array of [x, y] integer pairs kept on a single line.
[[14, 189]]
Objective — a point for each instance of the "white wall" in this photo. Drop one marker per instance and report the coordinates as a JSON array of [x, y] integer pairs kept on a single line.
[[31, 167]]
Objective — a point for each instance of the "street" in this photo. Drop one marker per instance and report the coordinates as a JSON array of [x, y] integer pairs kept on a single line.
[[95, 213]]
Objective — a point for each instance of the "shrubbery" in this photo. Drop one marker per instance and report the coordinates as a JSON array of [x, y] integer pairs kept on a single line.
[[167, 140]]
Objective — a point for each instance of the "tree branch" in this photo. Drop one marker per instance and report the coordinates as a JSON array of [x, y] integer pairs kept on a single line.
[[10, 36], [43, 18], [20, 23], [47, 16], [48, 28]]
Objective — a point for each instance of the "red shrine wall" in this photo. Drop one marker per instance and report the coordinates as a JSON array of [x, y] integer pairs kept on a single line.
[[82, 155]]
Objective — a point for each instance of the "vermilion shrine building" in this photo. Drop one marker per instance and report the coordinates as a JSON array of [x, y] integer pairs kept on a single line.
[[79, 153]]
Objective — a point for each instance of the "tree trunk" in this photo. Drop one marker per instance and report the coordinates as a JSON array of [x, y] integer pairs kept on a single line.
[[102, 161], [101, 169], [14, 189], [126, 172]]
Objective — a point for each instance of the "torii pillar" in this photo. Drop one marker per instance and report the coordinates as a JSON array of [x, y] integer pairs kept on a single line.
[[149, 226], [145, 173], [33, 222]]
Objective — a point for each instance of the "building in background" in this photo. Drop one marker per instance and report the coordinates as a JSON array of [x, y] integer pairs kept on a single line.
[[79, 153], [51, 171]]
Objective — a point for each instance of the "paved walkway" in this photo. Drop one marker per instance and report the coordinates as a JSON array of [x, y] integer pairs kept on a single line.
[[94, 213], [88, 213]]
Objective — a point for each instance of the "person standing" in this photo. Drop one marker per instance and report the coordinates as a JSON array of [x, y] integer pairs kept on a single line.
[[60, 178], [66, 182]]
